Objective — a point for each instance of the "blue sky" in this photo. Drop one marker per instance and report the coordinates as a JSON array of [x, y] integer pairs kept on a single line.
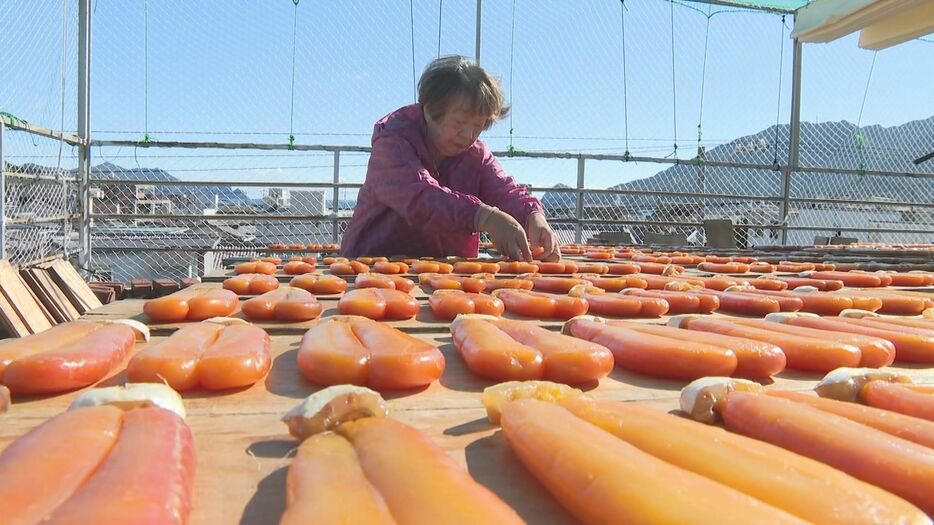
[[222, 71]]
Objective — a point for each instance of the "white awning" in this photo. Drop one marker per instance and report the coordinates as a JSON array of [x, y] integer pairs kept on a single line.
[[883, 23]]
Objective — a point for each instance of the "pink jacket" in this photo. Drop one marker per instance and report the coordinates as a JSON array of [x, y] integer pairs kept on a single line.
[[408, 207]]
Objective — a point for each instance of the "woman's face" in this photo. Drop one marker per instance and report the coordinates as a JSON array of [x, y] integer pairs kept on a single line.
[[456, 130]]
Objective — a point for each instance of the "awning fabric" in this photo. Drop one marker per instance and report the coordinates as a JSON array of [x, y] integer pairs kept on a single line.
[[883, 23]]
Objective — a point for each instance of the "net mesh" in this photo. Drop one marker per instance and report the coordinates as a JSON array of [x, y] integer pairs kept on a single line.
[[706, 86]]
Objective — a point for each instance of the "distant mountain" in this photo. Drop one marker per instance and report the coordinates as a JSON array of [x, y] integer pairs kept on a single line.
[[36, 169], [342, 204], [225, 194], [828, 144]]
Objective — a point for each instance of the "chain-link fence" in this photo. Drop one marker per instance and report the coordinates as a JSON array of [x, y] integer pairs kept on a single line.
[[646, 116], [40, 195], [38, 85], [163, 221]]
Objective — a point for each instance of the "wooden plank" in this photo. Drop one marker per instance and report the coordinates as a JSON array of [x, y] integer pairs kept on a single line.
[[52, 318], [64, 282], [57, 298], [9, 317], [242, 461], [61, 299], [22, 301], [243, 450], [424, 321], [104, 294], [73, 285], [44, 298], [141, 288], [53, 296], [419, 292], [61, 285], [458, 388]]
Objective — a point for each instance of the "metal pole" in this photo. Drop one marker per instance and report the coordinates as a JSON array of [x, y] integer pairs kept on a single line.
[[335, 202], [2, 196], [84, 132], [479, 19], [702, 180], [794, 137], [579, 214]]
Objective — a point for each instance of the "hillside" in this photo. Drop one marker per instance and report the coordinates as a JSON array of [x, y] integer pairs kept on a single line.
[[827, 144]]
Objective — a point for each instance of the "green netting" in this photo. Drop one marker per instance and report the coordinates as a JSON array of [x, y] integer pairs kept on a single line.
[[785, 6]]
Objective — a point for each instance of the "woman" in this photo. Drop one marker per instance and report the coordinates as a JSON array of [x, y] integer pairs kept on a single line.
[[431, 186]]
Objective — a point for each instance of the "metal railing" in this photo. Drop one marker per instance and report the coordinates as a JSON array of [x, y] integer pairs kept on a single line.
[[579, 212], [580, 192], [30, 234]]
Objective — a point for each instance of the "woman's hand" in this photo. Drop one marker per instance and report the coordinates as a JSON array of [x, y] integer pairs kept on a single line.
[[542, 236], [506, 233]]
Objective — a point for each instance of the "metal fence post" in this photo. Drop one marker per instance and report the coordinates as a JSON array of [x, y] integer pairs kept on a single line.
[[84, 132], [793, 139], [579, 213], [2, 196], [335, 202], [702, 182]]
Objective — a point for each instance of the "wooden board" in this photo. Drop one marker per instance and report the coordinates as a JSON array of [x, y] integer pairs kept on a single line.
[[12, 323], [73, 285], [48, 307], [217, 276], [50, 294], [419, 292], [243, 449], [424, 321], [23, 303]]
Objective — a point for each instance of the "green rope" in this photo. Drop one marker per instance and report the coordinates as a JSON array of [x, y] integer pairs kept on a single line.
[[622, 14], [412, 27], [700, 116], [292, 97], [674, 92], [692, 8], [860, 141], [512, 55], [778, 108], [146, 138]]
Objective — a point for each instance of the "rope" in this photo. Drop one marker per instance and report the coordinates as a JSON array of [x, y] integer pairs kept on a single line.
[[146, 137], [440, 11], [674, 97], [700, 116], [61, 132], [61, 125], [512, 54], [860, 142], [412, 25], [692, 8], [622, 13], [778, 105], [292, 97]]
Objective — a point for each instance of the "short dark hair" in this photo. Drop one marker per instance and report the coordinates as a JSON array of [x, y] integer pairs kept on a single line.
[[449, 78]]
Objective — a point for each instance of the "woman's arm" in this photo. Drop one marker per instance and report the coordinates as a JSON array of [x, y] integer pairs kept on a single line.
[[398, 180], [500, 190]]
